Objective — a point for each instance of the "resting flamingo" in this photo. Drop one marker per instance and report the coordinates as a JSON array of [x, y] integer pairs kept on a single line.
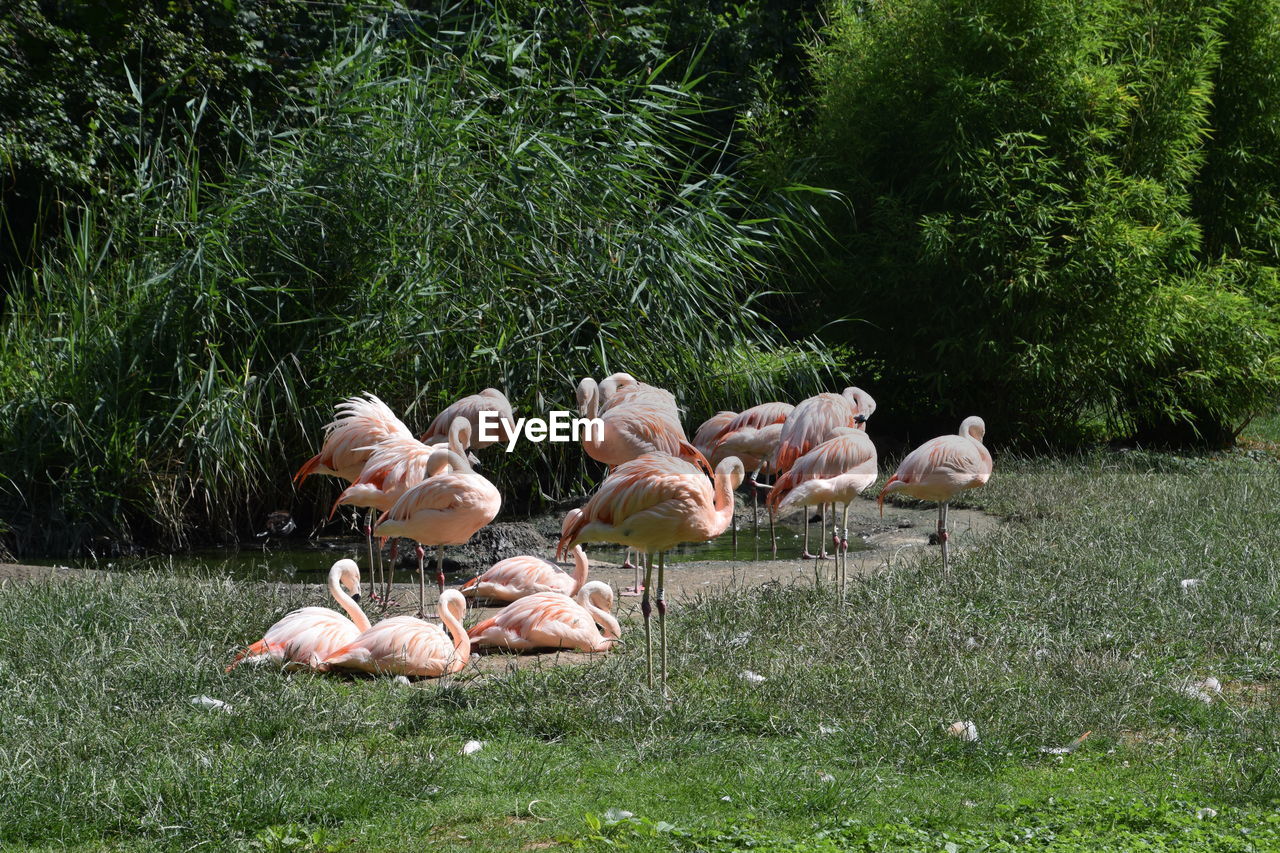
[[407, 645], [446, 508], [397, 464], [652, 503], [470, 407], [834, 472], [941, 468], [812, 423], [516, 577], [358, 425], [553, 620], [310, 634]]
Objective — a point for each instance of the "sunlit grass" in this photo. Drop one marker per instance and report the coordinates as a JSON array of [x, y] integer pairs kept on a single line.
[[1071, 618]]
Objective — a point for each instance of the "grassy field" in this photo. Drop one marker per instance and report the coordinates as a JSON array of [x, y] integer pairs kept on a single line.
[[1072, 617]]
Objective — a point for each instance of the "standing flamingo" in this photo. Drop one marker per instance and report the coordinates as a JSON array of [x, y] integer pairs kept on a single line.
[[397, 464], [447, 508], [753, 437], [710, 431], [833, 472], [553, 620], [941, 468], [407, 645], [516, 577], [811, 423], [358, 425], [640, 419], [652, 503], [310, 634], [470, 407]]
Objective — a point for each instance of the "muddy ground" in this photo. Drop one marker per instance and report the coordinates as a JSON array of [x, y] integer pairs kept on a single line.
[[903, 529]]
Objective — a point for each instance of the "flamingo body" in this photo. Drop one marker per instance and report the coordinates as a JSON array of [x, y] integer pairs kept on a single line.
[[349, 438], [833, 472], [815, 419], [470, 407], [553, 620], [710, 431], [943, 467], [407, 645], [447, 508], [517, 577], [310, 634]]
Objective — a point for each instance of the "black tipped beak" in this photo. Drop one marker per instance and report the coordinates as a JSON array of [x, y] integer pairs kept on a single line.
[[356, 598], [860, 419]]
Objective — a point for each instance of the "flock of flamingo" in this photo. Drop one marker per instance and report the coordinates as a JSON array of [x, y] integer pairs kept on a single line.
[[661, 490]]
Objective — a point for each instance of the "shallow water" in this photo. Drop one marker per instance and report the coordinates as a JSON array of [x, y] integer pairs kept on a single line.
[[310, 565]]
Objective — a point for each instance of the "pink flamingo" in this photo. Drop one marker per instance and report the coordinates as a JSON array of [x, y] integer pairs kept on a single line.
[[397, 464], [553, 620], [470, 407], [813, 422], [517, 577], [710, 430], [407, 645], [753, 437], [446, 508], [640, 419], [652, 503], [834, 472], [359, 424], [310, 634], [941, 468]]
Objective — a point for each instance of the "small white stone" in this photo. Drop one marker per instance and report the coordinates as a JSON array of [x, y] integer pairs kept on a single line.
[[753, 677], [402, 679], [1204, 814], [726, 799], [1191, 583], [966, 730], [471, 747]]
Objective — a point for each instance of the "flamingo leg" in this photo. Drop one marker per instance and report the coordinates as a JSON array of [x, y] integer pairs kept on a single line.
[[844, 554], [440, 567], [822, 540], [773, 534], [755, 515], [662, 614], [733, 524], [422, 582], [368, 538], [391, 572], [943, 536], [645, 610], [805, 555]]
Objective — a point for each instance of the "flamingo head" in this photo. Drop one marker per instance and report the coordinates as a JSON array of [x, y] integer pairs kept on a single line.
[[973, 427], [347, 574], [731, 469], [587, 392]]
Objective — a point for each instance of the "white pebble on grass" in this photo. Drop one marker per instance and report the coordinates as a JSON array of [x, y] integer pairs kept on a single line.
[[966, 730], [1205, 814], [402, 679], [1191, 583], [752, 677], [471, 747]]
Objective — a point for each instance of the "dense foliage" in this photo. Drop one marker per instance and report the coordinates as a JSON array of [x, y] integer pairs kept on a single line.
[[456, 211], [1057, 213]]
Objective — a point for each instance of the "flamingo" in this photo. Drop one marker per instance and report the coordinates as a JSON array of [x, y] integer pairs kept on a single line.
[[358, 425], [407, 645], [517, 577], [553, 620], [446, 508], [810, 424], [310, 634], [941, 468], [397, 464], [652, 503], [833, 472], [639, 419], [753, 437], [710, 430], [470, 407]]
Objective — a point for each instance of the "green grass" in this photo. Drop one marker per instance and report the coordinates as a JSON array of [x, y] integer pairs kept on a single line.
[[1069, 619]]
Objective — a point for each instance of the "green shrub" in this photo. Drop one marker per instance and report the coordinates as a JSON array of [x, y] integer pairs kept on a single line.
[[1020, 238], [452, 213]]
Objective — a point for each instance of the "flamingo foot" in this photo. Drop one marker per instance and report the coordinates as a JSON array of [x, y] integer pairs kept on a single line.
[[804, 556], [633, 591], [844, 545]]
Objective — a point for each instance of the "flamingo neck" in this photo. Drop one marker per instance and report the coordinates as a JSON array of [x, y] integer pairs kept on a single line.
[[347, 603], [600, 616], [461, 641], [724, 497], [580, 568]]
